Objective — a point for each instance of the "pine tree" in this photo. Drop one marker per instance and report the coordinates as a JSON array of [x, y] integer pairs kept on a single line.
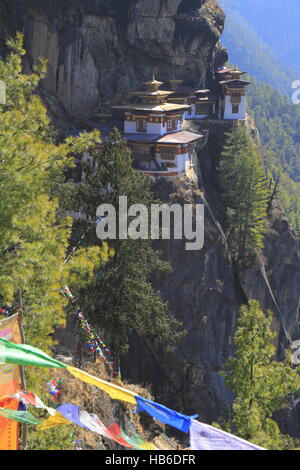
[[260, 384], [245, 195], [121, 299], [278, 120], [34, 232]]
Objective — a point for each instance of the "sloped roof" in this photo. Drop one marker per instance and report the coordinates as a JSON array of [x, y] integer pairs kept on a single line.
[[182, 137], [153, 107], [152, 93], [227, 71], [235, 82]]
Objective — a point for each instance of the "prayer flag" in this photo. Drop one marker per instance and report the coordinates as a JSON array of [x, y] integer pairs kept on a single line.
[[9, 383], [53, 421], [9, 374], [205, 437], [8, 428], [20, 416], [71, 412], [25, 355], [115, 432], [164, 414], [93, 423], [33, 400], [114, 391], [137, 442]]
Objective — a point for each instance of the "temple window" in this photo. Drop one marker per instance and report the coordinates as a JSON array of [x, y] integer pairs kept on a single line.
[[141, 125], [170, 165], [172, 124], [235, 109], [168, 153], [204, 109]]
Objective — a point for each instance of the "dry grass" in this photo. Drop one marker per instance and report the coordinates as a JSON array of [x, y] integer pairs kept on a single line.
[[96, 401]]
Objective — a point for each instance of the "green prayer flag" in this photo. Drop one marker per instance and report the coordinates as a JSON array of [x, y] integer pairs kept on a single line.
[[137, 442], [20, 416], [24, 355]]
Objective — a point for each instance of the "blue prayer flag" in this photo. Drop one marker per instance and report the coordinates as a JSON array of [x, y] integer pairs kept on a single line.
[[72, 413], [164, 414]]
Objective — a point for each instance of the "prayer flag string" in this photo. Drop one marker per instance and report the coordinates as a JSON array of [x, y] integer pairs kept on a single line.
[[25, 355], [94, 343]]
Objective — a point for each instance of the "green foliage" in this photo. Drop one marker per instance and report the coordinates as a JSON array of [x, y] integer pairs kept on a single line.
[[121, 299], [59, 438], [278, 123], [260, 384], [289, 443], [253, 39], [34, 233], [247, 49], [245, 195]]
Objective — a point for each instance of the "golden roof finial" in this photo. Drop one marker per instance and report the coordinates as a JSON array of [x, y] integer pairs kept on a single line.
[[153, 85]]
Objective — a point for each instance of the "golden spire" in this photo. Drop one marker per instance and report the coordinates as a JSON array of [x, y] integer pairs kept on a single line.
[[175, 84], [153, 85]]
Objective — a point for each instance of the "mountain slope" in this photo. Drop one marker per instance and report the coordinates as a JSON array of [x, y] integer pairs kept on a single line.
[[277, 24], [278, 121], [100, 50], [254, 50]]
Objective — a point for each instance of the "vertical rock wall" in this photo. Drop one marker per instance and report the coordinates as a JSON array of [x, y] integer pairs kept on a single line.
[[100, 50]]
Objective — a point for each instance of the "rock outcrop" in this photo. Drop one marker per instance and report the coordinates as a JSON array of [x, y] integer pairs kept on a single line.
[[205, 291], [100, 50]]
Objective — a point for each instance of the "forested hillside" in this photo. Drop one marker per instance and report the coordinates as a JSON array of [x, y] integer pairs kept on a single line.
[[275, 21], [278, 123], [260, 54], [251, 35]]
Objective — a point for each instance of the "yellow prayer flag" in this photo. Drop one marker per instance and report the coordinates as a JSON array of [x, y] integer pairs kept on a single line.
[[148, 446], [115, 392], [57, 420]]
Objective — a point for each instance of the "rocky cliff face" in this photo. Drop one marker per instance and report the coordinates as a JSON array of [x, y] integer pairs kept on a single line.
[[99, 50], [205, 291]]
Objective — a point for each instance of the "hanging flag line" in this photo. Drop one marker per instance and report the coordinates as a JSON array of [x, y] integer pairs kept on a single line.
[[68, 414], [87, 330], [7, 310], [93, 341], [25, 355], [55, 389], [206, 437], [91, 422], [20, 416], [30, 399]]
